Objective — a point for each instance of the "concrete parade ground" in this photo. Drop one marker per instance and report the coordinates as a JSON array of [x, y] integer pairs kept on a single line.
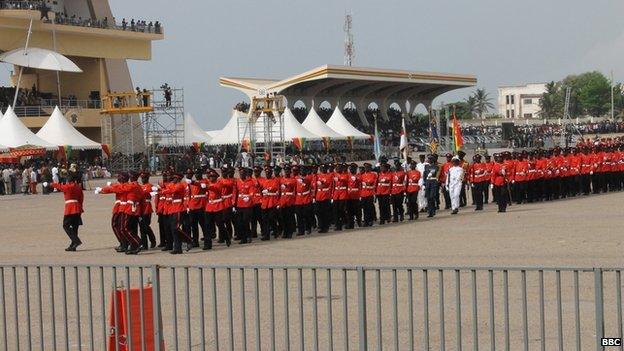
[[582, 232]]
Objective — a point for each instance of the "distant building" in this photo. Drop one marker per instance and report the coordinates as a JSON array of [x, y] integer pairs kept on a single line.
[[520, 101]]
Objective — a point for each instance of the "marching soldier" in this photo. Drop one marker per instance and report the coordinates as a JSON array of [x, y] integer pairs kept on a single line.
[[432, 184], [196, 205], [256, 218], [228, 188], [303, 200], [340, 196], [398, 192], [499, 183], [177, 191], [369, 184], [489, 164], [443, 172], [72, 217], [288, 186], [384, 189], [146, 212], [520, 180], [463, 200], [324, 186], [128, 243], [270, 202], [455, 183], [478, 179], [213, 211], [354, 187], [414, 183], [246, 190]]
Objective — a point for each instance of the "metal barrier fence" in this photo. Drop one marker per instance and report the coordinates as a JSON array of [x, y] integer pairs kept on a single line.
[[312, 308]]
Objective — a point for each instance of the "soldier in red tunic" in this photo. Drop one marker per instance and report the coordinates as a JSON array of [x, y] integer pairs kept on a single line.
[[414, 183], [303, 200], [270, 201], [146, 212], [354, 188], [369, 184], [72, 192], [288, 186], [245, 190]]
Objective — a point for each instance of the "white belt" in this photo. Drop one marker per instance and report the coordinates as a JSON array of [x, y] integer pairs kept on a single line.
[[397, 185], [71, 201], [130, 202], [123, 203], [304, 193], [117, 202], [412, 184], [324, 189], [227, 196], [383, 184], [520, 173], [288, 194], [368, 187], [176, 201], [214, 201], [197, 196], [341, 188], [354, 189], [271, 194]]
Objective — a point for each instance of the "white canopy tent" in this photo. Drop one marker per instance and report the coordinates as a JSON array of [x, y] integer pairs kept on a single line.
[[294, 129], [212, 133], [315, 124], [193, 133], [58, 131], [229, 134], [339, 123], [13, 133]]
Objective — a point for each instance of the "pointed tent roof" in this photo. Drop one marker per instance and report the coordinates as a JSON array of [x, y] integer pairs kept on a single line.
[[212, 133], [193, 133], [13, 133], [58, 131], [339, 123], [294, 129], [315, 124], [229, 134]]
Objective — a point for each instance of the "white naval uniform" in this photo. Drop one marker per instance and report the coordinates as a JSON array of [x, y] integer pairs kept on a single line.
[[422, 200], [454, 181]]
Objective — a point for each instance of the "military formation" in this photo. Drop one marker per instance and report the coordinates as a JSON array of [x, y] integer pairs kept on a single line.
[[197, 207]]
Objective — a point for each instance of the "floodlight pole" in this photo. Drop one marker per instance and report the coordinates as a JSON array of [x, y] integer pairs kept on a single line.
[[19, 77]]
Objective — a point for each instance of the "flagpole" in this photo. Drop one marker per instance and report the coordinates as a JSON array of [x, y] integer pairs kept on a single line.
[[376, 146]]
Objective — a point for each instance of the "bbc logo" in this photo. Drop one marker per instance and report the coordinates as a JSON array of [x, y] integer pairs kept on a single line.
[[611, 342]]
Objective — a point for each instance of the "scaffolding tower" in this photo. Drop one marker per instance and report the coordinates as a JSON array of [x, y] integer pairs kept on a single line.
[[122, 128], [261, 131], [164, 125]]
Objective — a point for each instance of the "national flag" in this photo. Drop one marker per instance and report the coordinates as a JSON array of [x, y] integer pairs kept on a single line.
[[376, 143], [68, 151], [458, 139], [350, 141], [326, 141], [299, 143], [403, 145], [106, 149], [434, 139]]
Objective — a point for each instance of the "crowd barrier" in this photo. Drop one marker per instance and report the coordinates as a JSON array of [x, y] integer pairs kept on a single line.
[[52, 307]]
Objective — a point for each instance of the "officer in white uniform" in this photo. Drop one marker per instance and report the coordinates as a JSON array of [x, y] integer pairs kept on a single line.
[[420, 167], [454, 181]]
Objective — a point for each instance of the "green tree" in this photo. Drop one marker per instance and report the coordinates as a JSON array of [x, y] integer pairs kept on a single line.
[[594, 93], [483, 102], [466, 109], [550, 103]]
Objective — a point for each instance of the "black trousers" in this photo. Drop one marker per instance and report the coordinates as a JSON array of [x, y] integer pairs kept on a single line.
[[146, 230], [354, 213], [287, 220], [197, 219], [70, 225], [323, 214], [213, 221], [412, 205], [176, 228], [132, 229], [269, 222], [305, 218], [585, 180], [368, 208], [447, 198], [244, 216], [116, 225], [463, 201], [398, 211], [432, 194], [384, 208], [500, 192], [340, 213], [256, 220], [478, 192], [520, 192], [486, 193], [226, 230], [163, 231]]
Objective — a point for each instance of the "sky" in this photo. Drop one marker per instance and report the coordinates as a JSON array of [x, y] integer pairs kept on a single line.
[[501, 42]]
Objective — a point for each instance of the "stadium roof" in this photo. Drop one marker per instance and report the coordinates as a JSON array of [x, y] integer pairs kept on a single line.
[[360, 86]]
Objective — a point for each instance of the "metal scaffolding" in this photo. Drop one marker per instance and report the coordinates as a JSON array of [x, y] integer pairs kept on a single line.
[[263, 128]]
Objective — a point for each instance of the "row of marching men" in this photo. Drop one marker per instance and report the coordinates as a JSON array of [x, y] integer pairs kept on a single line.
[[266, 202]]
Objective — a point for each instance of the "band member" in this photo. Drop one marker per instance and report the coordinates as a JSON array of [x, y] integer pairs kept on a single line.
[[414, 183], [270, 201], [432, 184], [72, 193], [354, 188], [324, 186], [369, 184], [454, 183], [499, 183], [146, 212], [245, 190], [397, 194], [384, 188]]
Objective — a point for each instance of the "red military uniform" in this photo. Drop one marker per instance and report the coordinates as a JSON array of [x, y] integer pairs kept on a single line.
[[369, 184], [228, 189], [354, 186], [288, 191], [341, 184], [270, 192], [214, 202], [324, 186], [146, 204], [303, 190], [197, 196], [413, 181], [398, 182], [73, 195], [384, 184]]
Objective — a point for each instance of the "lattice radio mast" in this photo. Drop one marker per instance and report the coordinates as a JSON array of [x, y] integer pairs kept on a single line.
[[349, 53]]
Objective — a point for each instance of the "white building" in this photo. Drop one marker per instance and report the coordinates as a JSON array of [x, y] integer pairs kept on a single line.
[[520, 101]]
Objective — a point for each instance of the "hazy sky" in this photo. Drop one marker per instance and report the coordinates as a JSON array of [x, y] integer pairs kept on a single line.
[[501, 42]]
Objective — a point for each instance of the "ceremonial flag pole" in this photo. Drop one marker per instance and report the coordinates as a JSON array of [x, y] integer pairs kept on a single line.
[[458, 139], [433, 132], [376, 141], [403, 145]]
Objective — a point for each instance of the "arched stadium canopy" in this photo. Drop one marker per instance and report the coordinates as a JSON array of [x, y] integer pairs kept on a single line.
[[193, 133], [315, 124], [58, 131], [360, 86], [293, 129], [13, 133], [339, 123]]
